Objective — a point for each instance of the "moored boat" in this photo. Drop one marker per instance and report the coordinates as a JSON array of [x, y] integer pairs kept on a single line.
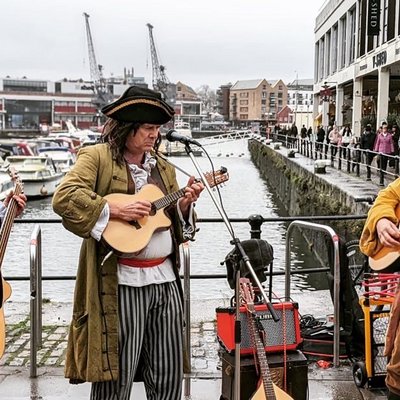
[[63, 159], [177, 148], [38, 174]]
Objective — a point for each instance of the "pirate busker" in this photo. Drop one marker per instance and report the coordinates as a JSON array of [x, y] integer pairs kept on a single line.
[[127, 317]]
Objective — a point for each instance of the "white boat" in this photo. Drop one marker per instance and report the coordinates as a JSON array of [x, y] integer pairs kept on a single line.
[[178, 148], [38, 174], [63, 159]]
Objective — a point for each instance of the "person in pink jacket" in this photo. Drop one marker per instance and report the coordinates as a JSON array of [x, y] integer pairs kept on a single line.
[[384, 146]]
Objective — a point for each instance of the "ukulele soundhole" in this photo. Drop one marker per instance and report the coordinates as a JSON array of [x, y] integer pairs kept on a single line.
[[135, 224], [153, 210]]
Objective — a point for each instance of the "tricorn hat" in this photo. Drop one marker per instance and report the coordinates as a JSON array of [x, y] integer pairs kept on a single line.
[[138, 104]]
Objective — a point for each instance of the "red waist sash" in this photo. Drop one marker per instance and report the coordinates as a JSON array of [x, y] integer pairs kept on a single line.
[[137, 263]]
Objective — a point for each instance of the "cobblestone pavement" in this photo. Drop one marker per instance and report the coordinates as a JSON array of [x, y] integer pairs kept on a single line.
[[54, 343], [331, 384]]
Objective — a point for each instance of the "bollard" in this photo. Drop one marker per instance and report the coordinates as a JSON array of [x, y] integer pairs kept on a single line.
[[255, 222]]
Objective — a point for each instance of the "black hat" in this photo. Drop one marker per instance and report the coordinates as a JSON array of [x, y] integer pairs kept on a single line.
[[138, 104]]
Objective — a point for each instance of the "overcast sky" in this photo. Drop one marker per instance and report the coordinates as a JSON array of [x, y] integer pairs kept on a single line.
[[200, 42]]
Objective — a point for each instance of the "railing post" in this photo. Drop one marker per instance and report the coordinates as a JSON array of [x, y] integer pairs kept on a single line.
[[336, 278], [358, 162], [35, 251], [186, 314], [255, 222]]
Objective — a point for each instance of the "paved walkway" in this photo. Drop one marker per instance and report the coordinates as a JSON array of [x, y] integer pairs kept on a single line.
[[204, 382]]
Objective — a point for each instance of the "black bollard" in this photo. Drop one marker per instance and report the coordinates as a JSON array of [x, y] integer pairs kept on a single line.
[[255, 222]]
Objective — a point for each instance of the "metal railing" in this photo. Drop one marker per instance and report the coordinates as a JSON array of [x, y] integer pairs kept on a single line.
[[336, 277], [255, 222], [354, 159]]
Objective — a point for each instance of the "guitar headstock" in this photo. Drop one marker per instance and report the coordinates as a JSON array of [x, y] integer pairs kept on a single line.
[[218, 177], [18, 187], [246, 292]]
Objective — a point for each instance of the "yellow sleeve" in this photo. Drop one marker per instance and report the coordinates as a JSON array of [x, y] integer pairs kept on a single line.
[[384, 207]]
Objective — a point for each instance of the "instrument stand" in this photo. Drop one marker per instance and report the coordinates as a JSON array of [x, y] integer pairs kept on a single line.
[[244, 257]]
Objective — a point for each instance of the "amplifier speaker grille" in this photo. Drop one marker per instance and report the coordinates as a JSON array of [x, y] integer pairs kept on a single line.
[[276, 336]]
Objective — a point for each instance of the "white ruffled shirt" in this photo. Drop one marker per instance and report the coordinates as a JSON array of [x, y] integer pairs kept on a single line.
[[160, 244]]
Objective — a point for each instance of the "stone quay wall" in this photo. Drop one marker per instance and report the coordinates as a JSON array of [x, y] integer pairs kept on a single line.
[[302, 192]]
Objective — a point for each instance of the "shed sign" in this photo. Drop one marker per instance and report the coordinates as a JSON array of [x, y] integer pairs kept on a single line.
[[373, 21]]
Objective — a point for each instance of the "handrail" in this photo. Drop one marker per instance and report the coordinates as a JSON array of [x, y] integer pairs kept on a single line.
[[336, 277], [314, 149], [35, 252], [186, 314], [255, 222]]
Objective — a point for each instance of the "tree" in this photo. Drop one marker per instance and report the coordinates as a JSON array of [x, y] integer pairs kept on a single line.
[[208, 97]]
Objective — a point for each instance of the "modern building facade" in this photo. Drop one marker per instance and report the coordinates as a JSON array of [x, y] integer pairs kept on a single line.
[[300, 101], [30, 103], [223, 100], [357, 63], [256, 100]]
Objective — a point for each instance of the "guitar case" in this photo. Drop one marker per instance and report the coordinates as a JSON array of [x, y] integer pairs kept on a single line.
[[297, 375]]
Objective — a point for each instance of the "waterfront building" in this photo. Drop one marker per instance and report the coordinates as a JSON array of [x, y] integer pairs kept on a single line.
[[357, 63], [223, 100], [256, 100], [32, 103], [300, 102], [188, 106]]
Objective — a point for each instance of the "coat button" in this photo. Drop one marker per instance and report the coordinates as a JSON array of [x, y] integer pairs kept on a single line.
[[93, 195]]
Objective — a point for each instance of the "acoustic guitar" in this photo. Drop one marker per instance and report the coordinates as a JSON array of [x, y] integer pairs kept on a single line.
[[387, 259], [267, 390], [5, 230], [127, 238]]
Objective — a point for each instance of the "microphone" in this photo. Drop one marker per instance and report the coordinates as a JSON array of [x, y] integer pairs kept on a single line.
[[173, 136]]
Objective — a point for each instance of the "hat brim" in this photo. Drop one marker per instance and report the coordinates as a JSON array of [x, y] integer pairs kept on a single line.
[[139, 109]]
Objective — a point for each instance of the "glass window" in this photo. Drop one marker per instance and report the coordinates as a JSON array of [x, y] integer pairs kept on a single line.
[[334, 46], [24, 85], [343, 27], [362, 26], [321, 58], [352, 27]]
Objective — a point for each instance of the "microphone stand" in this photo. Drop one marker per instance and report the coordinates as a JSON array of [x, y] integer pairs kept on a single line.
[[235, 241]]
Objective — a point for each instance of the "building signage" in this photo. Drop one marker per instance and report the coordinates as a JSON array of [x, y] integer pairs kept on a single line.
[[373, 21], [379, 59]]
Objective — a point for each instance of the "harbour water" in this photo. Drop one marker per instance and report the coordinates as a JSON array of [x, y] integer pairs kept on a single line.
[[245, 193]]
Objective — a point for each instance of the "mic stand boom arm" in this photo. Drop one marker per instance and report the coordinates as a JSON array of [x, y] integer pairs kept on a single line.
[[235, 241]]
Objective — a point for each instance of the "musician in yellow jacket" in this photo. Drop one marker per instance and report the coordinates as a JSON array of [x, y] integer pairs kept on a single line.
[[381, 229], [127, 316]]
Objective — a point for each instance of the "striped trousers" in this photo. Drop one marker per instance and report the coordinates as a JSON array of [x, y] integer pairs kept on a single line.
[[150, 328]]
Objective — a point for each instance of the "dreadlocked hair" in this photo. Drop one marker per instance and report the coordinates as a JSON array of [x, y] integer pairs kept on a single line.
[[115, 133]]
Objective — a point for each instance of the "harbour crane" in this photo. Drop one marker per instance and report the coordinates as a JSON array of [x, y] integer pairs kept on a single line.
[[160, 80], [102, 95]]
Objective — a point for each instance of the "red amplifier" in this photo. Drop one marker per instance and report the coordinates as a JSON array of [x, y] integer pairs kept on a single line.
[[277, 337]]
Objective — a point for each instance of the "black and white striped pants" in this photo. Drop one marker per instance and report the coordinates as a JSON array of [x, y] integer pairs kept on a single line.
[[150, 324]]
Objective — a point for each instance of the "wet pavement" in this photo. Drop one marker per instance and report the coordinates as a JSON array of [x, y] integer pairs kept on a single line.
[[205, 381]]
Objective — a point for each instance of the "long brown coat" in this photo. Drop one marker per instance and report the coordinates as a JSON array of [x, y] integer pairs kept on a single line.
[[92, 353]]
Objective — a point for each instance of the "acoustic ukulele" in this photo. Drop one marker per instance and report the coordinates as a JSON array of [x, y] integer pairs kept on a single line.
[[130, 237]]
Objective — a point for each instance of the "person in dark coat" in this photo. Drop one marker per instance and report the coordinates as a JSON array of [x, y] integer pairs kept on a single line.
[[367, 142], [320, 137], [303, 132]]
